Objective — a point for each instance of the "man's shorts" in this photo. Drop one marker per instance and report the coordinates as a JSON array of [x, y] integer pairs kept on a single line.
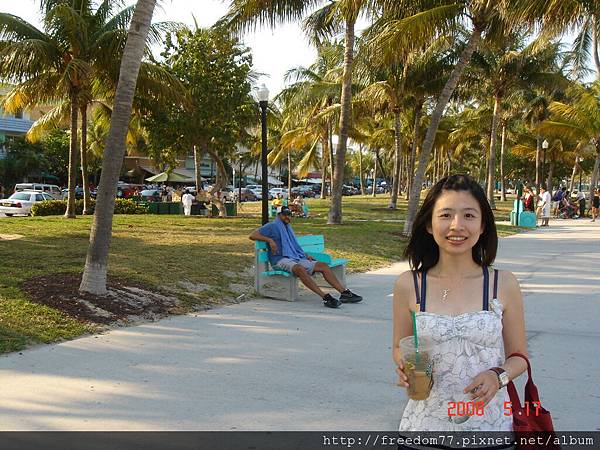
[[288, 264]]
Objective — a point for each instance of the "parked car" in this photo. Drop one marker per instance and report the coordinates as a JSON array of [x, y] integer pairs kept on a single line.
[[256, 190], [21, 202], [349, 190], [274, 191], [304, 191], [247, 195], [78, 193], [150, 195], [50, 189]]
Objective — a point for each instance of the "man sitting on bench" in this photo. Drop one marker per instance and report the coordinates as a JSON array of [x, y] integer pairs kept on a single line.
[[286, 254]]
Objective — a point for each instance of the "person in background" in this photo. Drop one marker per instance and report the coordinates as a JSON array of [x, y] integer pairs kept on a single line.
[[286, 254], [544, 206], [581, 203], [528, 199], [558, 196], [1, 191], [300, 206], [277, 201], [187, 199], [595, 204]]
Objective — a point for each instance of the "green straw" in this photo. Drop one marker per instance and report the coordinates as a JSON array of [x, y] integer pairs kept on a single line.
[[415, 336]]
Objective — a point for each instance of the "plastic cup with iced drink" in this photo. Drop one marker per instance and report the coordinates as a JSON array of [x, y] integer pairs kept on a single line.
[[418, 367]]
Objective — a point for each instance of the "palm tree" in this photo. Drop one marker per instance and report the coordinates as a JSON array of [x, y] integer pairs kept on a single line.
[[505, 67], [334, 15], [579, 120], [421, 22], [80, 48], [311, 105], [555, 17], [96, 264]]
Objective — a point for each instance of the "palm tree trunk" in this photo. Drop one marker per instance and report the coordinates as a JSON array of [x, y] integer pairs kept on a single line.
[[197, 168], [595, 47], [573, 173], [397, 159], [502, 178], [374, 191], [538, 150], [331, 161], [335, 211], [491, 176], [324, 165], [221, 179], [594, 180], [289, 161], [70, 212], [96, 264], [550, 175], [84, 162], [360, 170], [436, 116], [413, 150]]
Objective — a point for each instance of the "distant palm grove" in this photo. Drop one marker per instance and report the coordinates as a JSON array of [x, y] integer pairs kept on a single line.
[[402, 90]]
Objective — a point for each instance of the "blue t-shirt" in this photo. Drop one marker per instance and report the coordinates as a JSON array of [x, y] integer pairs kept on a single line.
[[270, 230], [284, 237]]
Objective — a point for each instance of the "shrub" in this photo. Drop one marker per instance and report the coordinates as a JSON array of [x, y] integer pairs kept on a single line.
[[58, 207], [49, 208], [128, 206]]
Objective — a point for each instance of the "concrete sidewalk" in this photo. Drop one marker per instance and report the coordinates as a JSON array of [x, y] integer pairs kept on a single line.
[[270, 365]]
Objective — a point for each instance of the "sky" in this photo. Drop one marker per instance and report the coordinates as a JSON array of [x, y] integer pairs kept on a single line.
[[274, 52]]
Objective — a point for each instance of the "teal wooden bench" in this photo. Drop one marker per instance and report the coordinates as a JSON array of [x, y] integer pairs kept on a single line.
[[283, 285]]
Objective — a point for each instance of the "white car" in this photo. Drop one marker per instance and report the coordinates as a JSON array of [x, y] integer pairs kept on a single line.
[[256, 190], [21, 202], [282, 191]]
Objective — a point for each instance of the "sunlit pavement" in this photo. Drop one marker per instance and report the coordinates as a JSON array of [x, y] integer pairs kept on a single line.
[[272, 365]]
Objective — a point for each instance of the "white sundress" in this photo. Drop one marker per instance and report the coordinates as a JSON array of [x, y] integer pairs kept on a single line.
[[464, 346]]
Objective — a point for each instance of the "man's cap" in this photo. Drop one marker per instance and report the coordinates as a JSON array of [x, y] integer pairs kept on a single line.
[[284, 210]]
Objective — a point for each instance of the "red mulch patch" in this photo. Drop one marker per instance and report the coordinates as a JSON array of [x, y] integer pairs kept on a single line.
[[125, 302]]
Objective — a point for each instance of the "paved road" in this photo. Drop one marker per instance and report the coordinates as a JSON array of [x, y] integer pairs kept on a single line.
[[269, 365]]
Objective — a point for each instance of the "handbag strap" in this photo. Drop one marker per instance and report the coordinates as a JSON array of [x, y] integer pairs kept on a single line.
[[531, 392]]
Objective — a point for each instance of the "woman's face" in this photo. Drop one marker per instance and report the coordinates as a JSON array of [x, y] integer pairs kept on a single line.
[[456, 222]]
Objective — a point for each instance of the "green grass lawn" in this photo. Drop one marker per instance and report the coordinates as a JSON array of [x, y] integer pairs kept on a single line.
[[169, 252]]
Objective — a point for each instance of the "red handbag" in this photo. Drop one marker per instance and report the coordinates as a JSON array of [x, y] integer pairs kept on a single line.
[[530, 420]]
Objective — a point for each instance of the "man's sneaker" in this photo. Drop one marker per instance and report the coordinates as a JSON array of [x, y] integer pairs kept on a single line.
[[331, 302], [349, 297]]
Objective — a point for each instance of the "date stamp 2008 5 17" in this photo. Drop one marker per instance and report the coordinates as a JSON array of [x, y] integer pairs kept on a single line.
[[460, 409]]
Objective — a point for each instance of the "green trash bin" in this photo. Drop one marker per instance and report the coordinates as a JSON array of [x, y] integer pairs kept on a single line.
[[163, 208], [230, 209], [175, 208]]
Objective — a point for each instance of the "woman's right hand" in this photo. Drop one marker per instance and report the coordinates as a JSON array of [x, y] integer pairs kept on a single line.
[[402, 377]]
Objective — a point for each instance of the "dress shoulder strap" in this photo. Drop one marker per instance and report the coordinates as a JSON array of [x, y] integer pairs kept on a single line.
[[495, 283], [486, 287], [420, 296]]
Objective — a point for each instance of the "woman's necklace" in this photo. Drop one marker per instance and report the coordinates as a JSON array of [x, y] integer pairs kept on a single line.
[[445, 293]]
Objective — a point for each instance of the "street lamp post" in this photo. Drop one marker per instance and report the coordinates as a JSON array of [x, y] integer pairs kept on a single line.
[[545, 146], [263, 100]]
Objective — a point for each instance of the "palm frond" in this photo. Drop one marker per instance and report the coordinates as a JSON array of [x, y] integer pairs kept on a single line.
[[14, 28], [247, 15], [53, 119]]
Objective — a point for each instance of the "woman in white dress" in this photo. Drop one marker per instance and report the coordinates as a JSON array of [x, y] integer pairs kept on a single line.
[[473, 315]]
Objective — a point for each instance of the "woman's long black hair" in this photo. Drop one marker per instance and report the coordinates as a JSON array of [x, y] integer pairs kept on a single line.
[[423, 252]]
